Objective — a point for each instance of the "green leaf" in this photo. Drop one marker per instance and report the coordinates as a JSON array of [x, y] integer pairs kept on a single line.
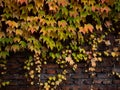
[[4, 54], [64, 11], [23, 44]]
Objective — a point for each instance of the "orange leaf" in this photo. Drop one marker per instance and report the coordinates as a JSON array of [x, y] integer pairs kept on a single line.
[[52, 6], [93, 63], [31, 29], [86, 28], [22, 1], [42, 21], [105, 9], [81, 29], [12, 23], [90, 27], [62, 2], [62, 23]]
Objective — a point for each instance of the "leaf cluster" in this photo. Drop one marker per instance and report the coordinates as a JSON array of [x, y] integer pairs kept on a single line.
[[63, 31]]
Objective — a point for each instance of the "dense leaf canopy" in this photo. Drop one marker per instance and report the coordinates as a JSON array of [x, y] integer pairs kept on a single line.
[[57, 30]]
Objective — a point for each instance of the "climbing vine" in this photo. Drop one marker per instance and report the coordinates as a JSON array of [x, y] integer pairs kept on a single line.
[[65, 31]]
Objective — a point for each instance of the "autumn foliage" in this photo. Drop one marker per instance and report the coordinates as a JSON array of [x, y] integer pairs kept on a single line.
[[58, 30]]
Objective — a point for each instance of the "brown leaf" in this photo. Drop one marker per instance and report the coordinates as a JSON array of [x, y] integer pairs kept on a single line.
[[108, 24], [2, 34], [115, 49]]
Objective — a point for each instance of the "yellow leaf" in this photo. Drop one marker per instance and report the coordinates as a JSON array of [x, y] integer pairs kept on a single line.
[[100, 59], [39, 3], [31, 72], [99, 27], [32, 76], [18, 32], [84, 1], [91, 69], [75, 66], [106, 53], [57, 82], [113, 54], [15, 47], [52, 83], [16, 39], [71, 28]]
